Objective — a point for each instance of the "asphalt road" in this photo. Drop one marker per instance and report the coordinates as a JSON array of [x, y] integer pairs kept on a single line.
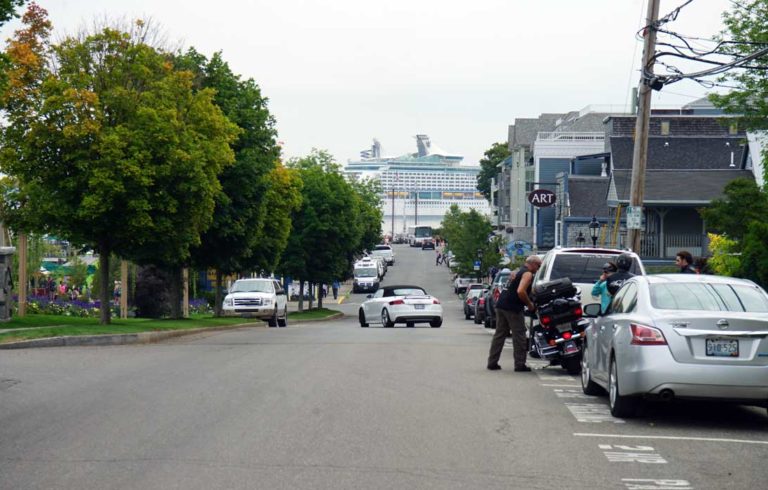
[[334, 406]]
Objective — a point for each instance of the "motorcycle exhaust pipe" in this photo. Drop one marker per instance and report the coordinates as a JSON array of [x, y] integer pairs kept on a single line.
[[666, 395]]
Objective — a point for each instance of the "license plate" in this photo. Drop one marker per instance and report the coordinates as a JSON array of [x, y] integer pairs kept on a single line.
[[571, 347], [722, 347], [418, 307]]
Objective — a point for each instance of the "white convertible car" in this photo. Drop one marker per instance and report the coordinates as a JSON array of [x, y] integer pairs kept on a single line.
[[401, 304]]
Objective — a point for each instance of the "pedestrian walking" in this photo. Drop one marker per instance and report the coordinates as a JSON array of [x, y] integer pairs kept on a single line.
[[335, 289], [438, 257], [510, 318]]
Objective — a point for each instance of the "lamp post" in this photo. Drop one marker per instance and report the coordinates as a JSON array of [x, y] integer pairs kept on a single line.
[[594, 230], [580, 240], [480, 262]]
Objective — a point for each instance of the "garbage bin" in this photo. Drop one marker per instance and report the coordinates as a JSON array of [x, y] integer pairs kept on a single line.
[[6, 282]]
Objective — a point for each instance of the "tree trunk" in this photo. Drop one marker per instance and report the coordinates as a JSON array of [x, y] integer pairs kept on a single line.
[[175, 292], [217, 302], [301, 295], [320, 296], [311, 294], [105, 294]]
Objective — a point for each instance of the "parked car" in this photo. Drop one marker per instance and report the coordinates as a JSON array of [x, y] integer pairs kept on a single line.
[[583, 266], [460, 284], [471, 297], [385, 252], [365, 276], [498, 283], [262, 298], [679, 336], [479, 308], [401, 304], [428, 244]]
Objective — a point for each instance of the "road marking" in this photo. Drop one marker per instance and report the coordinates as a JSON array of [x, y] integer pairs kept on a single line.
[[651, 484], [561, 386], [593, 413], [673, 438], [572, 394], [631, 454]]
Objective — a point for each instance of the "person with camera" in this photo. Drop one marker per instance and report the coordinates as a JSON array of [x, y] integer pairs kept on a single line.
[[510, 318]]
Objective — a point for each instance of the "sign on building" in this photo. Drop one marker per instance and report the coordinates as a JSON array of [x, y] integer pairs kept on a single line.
[[542, 198]]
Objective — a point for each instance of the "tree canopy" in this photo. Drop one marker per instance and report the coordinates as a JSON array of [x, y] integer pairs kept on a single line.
[[109, 145], [467, 234], [488, 170]]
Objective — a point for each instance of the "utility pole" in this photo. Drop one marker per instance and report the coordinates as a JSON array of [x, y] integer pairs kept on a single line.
[[392, 236], [416, 208], [640, 153]]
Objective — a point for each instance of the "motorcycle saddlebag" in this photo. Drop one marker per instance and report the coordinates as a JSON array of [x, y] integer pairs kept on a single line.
[[547, 291]]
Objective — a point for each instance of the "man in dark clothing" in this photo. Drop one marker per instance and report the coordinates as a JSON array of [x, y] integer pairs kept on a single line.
[[684, 260], [616, 280], [510, 318]]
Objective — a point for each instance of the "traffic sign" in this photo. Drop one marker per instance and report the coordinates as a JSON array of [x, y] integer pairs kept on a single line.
[[477, 265], [635, 218]]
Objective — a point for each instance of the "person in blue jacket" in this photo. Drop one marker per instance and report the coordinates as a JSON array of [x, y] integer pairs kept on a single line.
[[601, 286]]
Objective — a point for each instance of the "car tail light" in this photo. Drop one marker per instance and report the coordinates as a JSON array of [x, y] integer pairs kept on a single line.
[[545, 320], [567, 335], [397, 302], [481, 301], [644, 335], [435, 301], [578, 311], [469, 301], [496, 294]]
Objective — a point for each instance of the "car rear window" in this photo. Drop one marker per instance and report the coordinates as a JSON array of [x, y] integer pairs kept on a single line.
[[584, 268], [383, 247], [708, 297]]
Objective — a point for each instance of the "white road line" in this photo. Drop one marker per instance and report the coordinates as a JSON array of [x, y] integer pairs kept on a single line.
[[672, 438], [562, 386]]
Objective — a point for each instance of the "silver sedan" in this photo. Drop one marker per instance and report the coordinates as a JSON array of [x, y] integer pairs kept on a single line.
[[679, 336]]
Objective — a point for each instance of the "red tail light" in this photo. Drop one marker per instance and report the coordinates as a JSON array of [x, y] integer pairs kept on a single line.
[[397, 302], [496, 294], [644, 335], [481, 301], [435, 301], [469, 301], [577, 311], [545, 320], [567, 335]]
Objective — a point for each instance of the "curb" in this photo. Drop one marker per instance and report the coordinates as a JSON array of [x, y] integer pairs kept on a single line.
[[136, 338]]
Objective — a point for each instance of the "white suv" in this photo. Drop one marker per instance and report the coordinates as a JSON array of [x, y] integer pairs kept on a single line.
[[262, 298], [583, 266]]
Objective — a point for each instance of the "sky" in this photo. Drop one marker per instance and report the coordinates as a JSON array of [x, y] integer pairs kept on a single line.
[[339, 73]]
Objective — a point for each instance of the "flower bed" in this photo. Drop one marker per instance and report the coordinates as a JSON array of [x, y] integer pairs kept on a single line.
[[43, 305]]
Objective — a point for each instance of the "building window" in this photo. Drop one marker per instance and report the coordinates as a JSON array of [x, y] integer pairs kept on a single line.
[[664, 128]]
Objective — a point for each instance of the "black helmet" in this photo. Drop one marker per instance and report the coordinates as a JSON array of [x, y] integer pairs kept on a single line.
[[624, 262]]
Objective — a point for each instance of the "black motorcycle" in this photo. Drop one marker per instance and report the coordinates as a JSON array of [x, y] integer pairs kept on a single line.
[[559, 332]]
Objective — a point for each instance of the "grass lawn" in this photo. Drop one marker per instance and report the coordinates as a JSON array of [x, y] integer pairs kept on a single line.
[[44, 326]]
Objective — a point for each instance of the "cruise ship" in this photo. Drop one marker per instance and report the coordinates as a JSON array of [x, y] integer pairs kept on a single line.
[[419, 188]]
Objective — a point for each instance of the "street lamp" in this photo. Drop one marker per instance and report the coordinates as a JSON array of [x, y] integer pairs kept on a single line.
[[580, 240], [480, 264], [594, 230]]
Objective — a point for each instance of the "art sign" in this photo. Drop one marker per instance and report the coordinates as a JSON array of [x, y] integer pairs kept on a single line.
[[542, 198]]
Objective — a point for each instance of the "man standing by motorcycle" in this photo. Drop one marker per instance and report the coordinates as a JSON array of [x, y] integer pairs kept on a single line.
[[509, 315]]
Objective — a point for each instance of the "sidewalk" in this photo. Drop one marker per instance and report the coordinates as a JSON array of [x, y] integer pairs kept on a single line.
[[345, 288]]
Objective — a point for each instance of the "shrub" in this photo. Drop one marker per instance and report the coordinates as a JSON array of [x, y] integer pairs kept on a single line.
[[152, 293], [725, 260]]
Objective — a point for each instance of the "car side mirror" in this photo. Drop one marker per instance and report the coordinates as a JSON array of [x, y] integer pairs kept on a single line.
[[592, 310]]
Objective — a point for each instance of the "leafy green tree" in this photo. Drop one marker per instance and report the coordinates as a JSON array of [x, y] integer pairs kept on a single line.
[[743, 203], [252, 215], [746, 29], [488, 167], [326, 229], [370, 217], [467, 235], [725, 260], [754, 258], [111, 147]]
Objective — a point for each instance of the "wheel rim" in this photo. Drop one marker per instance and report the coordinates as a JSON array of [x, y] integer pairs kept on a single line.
[[384, 317], [585, 374], [614, 385]]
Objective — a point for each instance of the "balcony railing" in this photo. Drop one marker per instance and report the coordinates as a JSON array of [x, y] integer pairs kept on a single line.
[[569, 136]]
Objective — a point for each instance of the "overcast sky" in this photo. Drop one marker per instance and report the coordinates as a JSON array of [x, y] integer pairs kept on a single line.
[[341, 72]]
